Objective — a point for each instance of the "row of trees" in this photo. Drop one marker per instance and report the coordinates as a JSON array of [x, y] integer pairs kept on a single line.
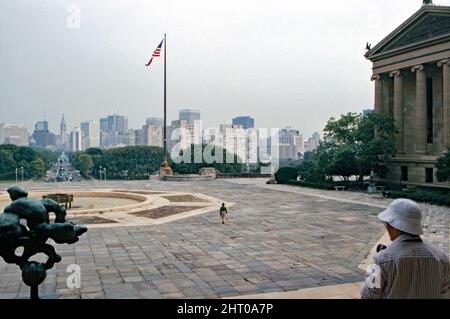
[[137, 162], [35, 161]]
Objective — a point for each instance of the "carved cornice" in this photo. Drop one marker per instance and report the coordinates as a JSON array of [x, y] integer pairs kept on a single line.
[[375, 77], [417, 68], [442, 62], [394, 73]]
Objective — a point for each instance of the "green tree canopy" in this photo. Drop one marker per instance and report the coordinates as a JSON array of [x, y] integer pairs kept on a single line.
[[443, 168], [351, 146]]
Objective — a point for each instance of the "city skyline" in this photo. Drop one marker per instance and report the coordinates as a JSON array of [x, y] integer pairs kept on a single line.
[[282, 67]]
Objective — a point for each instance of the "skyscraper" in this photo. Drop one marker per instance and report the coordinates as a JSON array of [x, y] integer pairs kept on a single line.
[[42, 135], [155, 121], [63, 134], [75, 140], [113, 130], [90, 134], [13, 134], [152, 135], [190, 116], [246, 121]]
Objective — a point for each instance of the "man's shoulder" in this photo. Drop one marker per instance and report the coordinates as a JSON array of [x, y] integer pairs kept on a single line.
[[401, 250]]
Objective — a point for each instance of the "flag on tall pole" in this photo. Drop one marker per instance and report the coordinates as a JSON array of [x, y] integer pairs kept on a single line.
[[165, 167], [156, 53]]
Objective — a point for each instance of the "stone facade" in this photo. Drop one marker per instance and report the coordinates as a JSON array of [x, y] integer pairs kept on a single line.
[[411, 74]]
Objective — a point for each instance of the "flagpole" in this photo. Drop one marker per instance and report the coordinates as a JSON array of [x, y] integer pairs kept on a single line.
[[165, 104], [165, 168]]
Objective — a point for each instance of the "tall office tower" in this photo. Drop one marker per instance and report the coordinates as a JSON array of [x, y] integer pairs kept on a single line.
[[113, 130], [139, 137], [63, 134], [241, 142], [313, 142], [246, 121], [190, 116], [178, 134], [42, 136], [290, 144], [153, 135], [90, 134], [192, 119], [155, 121], [75, 140], [13, 134]]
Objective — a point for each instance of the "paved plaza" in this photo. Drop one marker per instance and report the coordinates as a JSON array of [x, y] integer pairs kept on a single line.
[[277, 239]]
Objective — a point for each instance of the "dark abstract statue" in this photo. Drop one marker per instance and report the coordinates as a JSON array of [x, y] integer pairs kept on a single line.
[[34, 235]]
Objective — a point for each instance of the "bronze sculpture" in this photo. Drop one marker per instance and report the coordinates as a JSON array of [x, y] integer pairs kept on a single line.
[[34, 235]]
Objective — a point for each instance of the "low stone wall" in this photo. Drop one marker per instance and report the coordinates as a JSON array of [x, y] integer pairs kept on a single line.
[[243, 175], [187, 178]]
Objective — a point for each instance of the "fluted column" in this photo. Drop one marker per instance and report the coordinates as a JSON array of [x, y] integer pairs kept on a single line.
[[398, 110], [421, 109], [378, 93], [445, 103]]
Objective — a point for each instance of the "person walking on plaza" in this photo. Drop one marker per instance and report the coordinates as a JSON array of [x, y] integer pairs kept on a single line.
[[223, 212], [408, 268]]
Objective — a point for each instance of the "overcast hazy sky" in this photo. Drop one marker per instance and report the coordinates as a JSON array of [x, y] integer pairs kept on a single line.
[[283, 62]]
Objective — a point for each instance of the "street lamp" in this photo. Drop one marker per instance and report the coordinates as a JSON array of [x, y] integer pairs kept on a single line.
[[104, 171], [100, 172], [17, 179], [21, 168]]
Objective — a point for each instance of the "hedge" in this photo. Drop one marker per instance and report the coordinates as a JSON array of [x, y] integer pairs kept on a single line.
[[435, 197]]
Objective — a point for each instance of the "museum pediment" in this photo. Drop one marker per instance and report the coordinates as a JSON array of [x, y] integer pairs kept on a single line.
[[426, 25]]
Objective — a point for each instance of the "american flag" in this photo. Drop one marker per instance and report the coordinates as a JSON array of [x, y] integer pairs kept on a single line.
[[156, 53]]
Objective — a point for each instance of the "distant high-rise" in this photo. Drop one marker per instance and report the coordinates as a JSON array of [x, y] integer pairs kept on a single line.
[[13, 134], [63, 134], [246, 121], [367, 112], [41, 126], [155, 121], [42, 136], [75, 140], [190, 116], [152, 135], [90, 134], [290, 144], [113, 130]]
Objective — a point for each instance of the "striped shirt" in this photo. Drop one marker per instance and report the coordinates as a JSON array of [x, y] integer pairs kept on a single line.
[[410, 269]]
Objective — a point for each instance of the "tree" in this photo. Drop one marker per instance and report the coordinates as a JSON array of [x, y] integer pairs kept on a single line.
[[7, 165], [186, 164], [443, 168], [85, 163], [38, 167], [352, 147], [285, 174]]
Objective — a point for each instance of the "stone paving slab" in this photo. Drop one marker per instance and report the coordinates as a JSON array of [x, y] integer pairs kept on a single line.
[[275, 240]]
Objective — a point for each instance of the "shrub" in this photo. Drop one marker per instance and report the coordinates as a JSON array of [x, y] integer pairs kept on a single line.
[[317, 185], [285, 174], [431, 196]]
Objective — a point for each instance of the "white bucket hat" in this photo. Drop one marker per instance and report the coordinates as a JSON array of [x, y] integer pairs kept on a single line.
[[405, 215]]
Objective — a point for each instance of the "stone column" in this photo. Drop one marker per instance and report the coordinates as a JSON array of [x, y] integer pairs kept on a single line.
[[421, 109], [445, 103], [378, 93], [398, 110]]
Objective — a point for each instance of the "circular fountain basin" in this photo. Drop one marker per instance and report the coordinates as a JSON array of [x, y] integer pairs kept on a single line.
[[93, 201]]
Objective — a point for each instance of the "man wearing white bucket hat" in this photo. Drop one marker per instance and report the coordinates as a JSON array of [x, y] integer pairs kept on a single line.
[[408, 268]]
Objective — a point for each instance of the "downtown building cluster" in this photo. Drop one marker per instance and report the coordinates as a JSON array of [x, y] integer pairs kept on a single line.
[[240, 137]]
